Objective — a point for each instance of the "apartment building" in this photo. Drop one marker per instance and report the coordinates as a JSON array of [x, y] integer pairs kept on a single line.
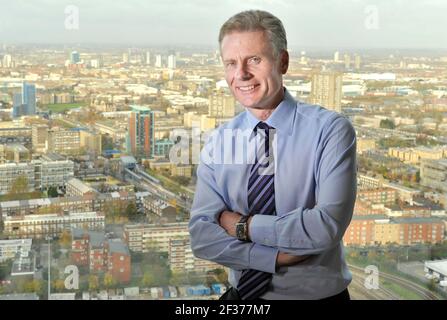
[[40, 174], [100, 254], [182, 259], [41, 225], [146, 237]]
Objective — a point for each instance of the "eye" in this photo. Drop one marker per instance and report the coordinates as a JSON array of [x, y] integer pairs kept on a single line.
[[254, 60], [229, 64]]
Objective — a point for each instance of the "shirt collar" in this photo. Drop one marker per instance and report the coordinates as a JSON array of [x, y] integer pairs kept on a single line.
[[281, 118]]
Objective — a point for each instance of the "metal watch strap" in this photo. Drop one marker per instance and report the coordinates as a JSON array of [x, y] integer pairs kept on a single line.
[[242, 224]]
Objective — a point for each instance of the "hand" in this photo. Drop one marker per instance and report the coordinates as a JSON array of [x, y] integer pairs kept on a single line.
[[228, 220], [285, 259]]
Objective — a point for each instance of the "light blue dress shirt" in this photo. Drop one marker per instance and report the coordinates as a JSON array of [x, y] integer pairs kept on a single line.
[[315, 191]]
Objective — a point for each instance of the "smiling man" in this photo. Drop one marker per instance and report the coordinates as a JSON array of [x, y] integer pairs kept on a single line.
[[276, 220]]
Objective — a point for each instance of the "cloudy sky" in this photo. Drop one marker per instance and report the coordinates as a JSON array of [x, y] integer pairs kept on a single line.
[[317, 23]]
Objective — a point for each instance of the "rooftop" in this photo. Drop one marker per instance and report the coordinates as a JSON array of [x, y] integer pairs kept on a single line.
[[80, 185], [52, 157], [96, 239], [370, 217], [54, 216], [16, 242], [77, 233], [439, 266], [140, 108], [128, 159], [417, 220], [24, 264], [118, 246], [19, 296]]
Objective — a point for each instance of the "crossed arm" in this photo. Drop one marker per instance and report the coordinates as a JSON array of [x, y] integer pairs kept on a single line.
[[228, 220], [280, 240]]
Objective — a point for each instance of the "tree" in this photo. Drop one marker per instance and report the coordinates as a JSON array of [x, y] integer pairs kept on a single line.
[[416, 177], [184, 181], [52, 192], [65, 239], [109, 281], [222, 275], [353, 254], [107, 142], [58, 285], [56, 250], [178, 278], [432, 285], [29, 286], [387, 124], [54, 272], [131, 211], [148, 279], [161, 275], [19, 185], [5, 269], [93, 282]]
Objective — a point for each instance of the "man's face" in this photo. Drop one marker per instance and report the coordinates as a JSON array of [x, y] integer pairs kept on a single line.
[[251, 70]]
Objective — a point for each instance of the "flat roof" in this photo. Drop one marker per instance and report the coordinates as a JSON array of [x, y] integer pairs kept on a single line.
[[63, 296], [117, 245], [96, 239], [77, 233], [52, 157], [439, 266], [128, 159], [81, 185], [19, 296], [16, 242], [140, 108], [370, 217], [417, 220], [53, 216], [24, 264]]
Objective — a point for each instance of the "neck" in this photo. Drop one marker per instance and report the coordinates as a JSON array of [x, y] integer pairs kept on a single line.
[[264, 113], [261, 114]]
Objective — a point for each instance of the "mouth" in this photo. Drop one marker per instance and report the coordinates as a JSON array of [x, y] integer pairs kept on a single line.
[[247, 89]]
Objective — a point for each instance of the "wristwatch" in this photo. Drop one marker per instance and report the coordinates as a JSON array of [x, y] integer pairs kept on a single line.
[[242, 229]]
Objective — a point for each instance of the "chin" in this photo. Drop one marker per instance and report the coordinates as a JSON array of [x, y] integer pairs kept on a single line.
[[250, 104]]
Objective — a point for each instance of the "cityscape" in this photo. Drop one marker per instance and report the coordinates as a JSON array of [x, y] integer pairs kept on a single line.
[[93, 207]]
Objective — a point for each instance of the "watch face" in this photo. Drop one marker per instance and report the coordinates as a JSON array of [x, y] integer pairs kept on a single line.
[[240, 231]]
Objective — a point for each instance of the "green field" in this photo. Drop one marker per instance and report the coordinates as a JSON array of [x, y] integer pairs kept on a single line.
[[63, 123], [402, 292], [22, 196], [62, 107]]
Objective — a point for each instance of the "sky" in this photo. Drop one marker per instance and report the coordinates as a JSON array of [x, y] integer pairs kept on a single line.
[[335, 24]]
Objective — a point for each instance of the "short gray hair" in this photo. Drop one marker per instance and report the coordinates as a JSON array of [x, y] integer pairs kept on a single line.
[[257, 20]]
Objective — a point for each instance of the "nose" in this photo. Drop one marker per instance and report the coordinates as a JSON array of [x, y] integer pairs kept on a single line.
[[242, 72]]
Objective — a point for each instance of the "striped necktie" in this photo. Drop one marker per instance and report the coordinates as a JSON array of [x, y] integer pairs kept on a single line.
[[261, 200]]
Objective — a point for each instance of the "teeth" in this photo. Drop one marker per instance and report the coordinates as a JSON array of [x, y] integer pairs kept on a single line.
[[246, 88]]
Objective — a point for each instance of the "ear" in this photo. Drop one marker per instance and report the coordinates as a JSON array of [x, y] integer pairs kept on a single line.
[[284, 61]]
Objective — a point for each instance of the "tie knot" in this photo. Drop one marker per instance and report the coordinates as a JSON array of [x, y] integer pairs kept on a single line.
[[263, 126]]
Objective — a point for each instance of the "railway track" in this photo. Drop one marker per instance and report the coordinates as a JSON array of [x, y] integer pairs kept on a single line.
[[359, 292], [424, 293]]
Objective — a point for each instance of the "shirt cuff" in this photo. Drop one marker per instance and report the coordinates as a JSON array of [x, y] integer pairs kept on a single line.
[[262, 230], [263, 258]]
